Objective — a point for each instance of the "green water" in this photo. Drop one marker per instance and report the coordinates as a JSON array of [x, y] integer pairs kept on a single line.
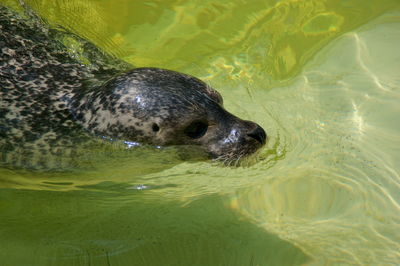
[[322, 77]]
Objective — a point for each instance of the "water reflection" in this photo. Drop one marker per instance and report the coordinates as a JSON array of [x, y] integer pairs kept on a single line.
[[274, 37], [339, 199], [107, 228]]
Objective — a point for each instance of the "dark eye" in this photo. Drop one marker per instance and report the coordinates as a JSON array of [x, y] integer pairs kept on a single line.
[[155, 127], [196, 129]]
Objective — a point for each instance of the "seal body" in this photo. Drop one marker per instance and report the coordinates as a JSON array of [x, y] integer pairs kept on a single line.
[[50, 102]]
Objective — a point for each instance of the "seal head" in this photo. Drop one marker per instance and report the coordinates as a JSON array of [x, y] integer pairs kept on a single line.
[[164, 107]]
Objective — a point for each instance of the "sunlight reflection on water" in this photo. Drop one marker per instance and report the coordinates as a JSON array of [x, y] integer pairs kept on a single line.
[[346, 195]]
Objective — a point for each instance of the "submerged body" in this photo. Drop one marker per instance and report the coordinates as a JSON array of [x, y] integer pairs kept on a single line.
[[50, 102]]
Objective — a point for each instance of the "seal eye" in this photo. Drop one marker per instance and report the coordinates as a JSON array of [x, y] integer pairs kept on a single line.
[[196, 129], [155, 127]]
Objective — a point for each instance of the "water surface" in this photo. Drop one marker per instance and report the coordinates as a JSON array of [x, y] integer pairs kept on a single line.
[[320, 76]]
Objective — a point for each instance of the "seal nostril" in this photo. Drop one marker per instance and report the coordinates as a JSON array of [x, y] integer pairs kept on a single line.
[[259, 135]]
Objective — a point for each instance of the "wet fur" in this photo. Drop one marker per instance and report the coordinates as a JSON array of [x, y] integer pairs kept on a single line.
[[35, 70]]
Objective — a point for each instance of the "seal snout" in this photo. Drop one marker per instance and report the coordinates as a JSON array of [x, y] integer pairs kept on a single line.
[[258, 134]]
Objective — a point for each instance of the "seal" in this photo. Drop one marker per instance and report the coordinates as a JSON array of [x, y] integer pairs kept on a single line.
[[50, 101]]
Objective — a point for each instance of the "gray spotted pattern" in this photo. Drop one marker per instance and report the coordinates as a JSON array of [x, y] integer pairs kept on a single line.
[[36, 72]]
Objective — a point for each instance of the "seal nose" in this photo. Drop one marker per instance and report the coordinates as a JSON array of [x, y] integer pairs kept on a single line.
[[258, 134]]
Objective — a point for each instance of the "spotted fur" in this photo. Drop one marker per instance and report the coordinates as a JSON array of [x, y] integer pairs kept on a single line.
[[36, 72]]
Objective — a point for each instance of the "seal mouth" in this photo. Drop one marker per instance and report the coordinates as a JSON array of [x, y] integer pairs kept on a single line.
[[238, 159], [243, 148]]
